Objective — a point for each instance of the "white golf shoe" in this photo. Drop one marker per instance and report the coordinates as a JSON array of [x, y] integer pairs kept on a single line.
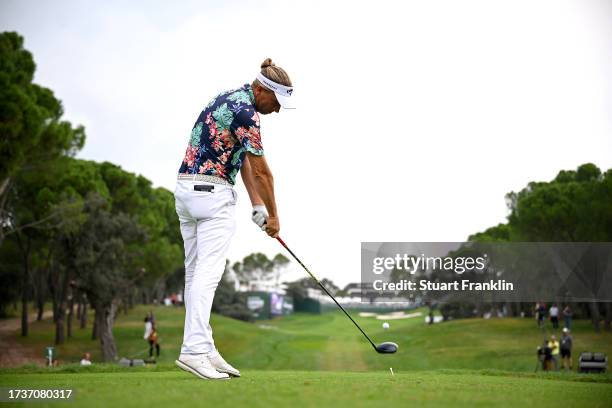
[[201, 366], [221, 365]]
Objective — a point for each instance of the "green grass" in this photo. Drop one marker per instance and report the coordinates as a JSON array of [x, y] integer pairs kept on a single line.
[[317, 388], [323, 360], [330, 342]]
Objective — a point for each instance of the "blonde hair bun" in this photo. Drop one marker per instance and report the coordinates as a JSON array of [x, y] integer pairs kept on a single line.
[[274, 73], [267, 63]]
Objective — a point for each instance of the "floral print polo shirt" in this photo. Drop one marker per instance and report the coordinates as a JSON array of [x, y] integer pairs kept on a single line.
[[226, 129]]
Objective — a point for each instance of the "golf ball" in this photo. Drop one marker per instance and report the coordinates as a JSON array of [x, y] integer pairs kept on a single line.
[[385, 325]]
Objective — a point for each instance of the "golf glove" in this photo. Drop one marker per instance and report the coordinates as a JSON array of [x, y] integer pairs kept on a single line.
[[260, 216]]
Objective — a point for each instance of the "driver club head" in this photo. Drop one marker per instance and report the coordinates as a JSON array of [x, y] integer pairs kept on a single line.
[[387, 347]]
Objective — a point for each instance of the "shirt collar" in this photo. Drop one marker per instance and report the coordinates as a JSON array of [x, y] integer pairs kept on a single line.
[[249, 90]]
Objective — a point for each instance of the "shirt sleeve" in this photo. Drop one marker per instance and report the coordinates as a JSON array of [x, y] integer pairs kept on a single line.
[[147, 333], [245, 127]]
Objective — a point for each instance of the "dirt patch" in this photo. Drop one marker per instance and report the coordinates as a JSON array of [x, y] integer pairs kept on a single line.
[[12, 352]]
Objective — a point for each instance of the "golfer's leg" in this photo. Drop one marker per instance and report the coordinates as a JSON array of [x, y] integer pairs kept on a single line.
[[213, 239], [188, 227], [189, 233]]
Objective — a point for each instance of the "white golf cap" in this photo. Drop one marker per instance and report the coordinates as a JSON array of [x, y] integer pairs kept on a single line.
[[283, 93]]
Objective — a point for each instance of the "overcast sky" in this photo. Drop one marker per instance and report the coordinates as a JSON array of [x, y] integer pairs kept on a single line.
[[414, 118]]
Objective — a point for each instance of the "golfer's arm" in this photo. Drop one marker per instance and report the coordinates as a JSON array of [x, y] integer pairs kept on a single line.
[[247, 178], [263, 182]]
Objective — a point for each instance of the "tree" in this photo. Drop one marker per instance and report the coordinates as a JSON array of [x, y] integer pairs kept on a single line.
[[298, 289], [574, 207], [33, 136], [154, 210], [33, 133], [255, 266], [10, 268], [258, 267], [39, 205], [50, 203], [499, 233], [228, 302], [279, 263], [61, 191], [105, 258]]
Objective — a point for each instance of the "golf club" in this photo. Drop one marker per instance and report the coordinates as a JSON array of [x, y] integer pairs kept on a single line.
[[384, 348]]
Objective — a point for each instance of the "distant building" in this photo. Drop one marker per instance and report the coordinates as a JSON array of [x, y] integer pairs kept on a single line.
[[268, 285], [373, 299]]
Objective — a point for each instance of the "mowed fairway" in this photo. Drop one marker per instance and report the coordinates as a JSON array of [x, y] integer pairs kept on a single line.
[[314, 360]]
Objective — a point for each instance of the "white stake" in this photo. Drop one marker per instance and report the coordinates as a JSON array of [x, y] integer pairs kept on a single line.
[[390, 368]]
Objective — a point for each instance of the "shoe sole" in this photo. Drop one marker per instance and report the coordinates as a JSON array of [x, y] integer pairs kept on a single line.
[[230, 373], [185, 367]]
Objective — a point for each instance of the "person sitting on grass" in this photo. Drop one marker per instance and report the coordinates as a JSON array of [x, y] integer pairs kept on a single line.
[[86, 360]]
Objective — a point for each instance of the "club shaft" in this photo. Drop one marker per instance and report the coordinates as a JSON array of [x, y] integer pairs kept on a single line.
[[326, 291]]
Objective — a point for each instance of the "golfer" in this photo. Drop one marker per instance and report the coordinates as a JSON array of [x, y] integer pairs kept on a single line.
[[225, 140]]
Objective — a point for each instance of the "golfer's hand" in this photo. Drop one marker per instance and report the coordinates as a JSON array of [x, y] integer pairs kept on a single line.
[[259, 216], [272, 227]]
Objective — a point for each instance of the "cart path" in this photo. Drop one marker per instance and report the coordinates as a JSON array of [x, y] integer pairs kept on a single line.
[[12, 352]]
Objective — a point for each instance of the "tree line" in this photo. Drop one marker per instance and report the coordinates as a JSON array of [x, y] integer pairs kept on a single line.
[[576, 206], [77, 232]]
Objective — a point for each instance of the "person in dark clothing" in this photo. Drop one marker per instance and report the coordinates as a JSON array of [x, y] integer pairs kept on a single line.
[[566, 349], [567, 316], [545, 356], [540, 311]]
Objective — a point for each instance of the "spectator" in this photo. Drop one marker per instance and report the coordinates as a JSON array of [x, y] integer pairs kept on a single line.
[[554, 316], [567, 316], [554, 351], [566, 349], [86, 360], [153, 342], [148, 327], [540, 312], [547, 360]]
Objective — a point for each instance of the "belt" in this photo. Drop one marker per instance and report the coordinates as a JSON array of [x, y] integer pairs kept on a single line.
[[204, 177]]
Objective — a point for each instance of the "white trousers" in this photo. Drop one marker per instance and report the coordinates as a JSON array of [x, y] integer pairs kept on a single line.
[[207, 226]]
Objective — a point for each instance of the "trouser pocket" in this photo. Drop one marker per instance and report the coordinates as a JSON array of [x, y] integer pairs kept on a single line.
[[205, 200]]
